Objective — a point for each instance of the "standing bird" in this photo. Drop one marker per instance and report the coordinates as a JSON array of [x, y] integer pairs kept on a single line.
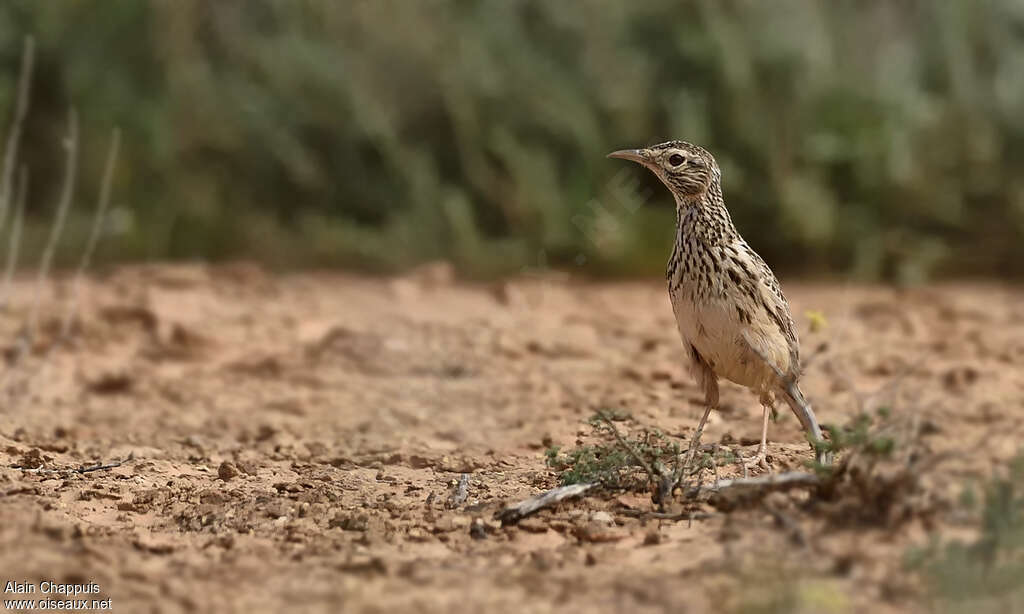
[[732, 317]]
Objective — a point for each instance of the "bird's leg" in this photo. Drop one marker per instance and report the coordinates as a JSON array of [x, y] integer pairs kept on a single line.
[[710, 402], [761, 459], [695, 442]]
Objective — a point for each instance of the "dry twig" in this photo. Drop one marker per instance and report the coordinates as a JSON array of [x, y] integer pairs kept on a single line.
[[94, 235], [774, 481], [515, 513], [651, 472], [14, 243], [460, 493], [67, 192], [14, 136], [686, 515], [69, 470]]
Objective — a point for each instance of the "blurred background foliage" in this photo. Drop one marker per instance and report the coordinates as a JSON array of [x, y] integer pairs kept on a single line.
[[876, 139]]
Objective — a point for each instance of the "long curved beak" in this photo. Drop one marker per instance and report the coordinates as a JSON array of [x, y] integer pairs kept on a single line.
[[636, 155]]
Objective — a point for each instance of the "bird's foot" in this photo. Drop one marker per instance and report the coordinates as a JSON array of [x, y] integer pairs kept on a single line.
[[759, 461]]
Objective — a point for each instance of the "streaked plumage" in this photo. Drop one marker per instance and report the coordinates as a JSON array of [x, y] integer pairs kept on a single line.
[[733, 318]]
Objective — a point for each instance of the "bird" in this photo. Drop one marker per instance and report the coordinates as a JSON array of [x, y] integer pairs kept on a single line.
[[732, 316]]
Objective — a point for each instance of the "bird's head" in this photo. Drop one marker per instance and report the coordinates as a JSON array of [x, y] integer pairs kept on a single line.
[[686, 169]]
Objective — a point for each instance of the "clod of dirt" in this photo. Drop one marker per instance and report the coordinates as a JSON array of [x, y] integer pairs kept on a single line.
[[652, 538], [364, 565], [227, 471], [507, 293], [597, 532], [120, 314], [543, 560], [183, 342], [248, 467], [194, 441], [179, 277], [265, 432], [419, 462], [433, 275], [449, 524], [478, 529], [958, 379], [571, 342], [458, 465], [633, 502], [33, 459], [632, 373], [533, 525], [257, 366], [153, 545], [349, 521], [110, 382]]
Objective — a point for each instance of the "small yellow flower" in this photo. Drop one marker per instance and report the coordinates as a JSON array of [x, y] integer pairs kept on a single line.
[[817, 320]]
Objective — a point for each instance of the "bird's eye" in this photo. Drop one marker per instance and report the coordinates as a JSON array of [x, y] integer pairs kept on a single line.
[[676, 159]]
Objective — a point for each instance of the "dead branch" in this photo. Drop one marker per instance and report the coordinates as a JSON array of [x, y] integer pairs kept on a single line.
[[69, 470], [99, 467], [651, 472], [67, 192], [515, 513], [94, 235], [14, 243], [780, 481], [689, 516], [460, 493], [14, 136]]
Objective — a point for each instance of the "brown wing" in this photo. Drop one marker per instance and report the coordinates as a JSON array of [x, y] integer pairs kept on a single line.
[[778, 308]]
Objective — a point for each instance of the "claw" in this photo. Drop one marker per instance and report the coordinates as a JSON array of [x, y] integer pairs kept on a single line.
[[760, 460]]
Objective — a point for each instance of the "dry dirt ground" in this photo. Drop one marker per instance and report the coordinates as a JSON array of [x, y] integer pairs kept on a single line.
[[291, 443]]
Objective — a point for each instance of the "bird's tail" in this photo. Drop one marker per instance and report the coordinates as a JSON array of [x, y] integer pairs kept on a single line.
[[798, 403]]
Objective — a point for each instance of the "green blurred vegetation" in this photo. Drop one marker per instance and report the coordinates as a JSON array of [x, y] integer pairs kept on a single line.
[[880, 139], [986, 574]]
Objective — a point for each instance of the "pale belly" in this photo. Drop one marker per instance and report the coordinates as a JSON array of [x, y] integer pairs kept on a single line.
[[714, 328]]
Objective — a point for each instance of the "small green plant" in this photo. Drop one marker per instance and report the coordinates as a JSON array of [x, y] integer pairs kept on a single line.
[[986, 575], [597, 463], [610, 462], [865, 435], [634, 462]]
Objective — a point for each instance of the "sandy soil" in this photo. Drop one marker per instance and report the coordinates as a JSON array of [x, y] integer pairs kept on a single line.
[[292, 442]]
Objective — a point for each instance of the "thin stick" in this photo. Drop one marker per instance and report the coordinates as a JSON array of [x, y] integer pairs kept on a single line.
[[99, 467], [741, 462], [514, 513], [94, 236], [67, 191], [14, 244], [646, 515], [40, 469], [779, 480], [460, 493], [14, 136], [629, 447]]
